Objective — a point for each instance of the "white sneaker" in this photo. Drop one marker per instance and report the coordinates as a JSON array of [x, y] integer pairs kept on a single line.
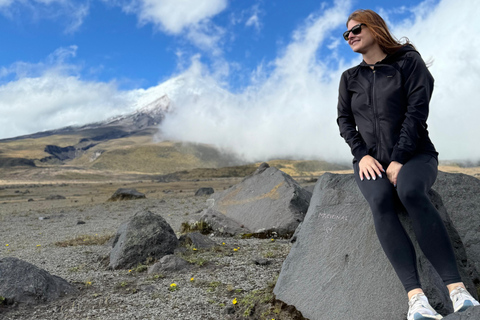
[[420, 309], [462, 299]]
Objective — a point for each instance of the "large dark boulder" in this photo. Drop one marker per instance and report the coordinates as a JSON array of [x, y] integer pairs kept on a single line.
[[461, 197], [22, 282], [126, 194], [145, 235], [337, 269], [267, 201]]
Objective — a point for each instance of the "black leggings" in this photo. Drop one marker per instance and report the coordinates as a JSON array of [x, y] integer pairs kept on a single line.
[[414, 181]]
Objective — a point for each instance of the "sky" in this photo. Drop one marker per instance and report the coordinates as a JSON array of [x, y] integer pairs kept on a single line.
[[255, 77]]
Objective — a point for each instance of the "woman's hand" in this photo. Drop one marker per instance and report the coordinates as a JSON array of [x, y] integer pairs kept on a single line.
[[369, 167], [392, 171]]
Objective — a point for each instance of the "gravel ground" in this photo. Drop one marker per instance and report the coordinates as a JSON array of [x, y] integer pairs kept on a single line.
[[206, 291]]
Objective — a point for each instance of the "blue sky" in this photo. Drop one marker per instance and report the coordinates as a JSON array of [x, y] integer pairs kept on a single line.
[[67, 62]]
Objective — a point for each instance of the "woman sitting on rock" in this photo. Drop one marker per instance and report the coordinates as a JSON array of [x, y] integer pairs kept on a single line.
[[382, 112]]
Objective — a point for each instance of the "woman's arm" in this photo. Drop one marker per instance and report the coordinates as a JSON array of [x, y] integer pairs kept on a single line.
[[346, 121], [368, 166], [418, 85]]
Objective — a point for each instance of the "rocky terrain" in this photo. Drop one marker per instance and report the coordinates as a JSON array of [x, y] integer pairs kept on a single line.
[[71, 238]]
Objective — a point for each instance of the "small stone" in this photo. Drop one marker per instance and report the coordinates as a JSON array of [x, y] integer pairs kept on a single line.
[[80, 222], [261, 261]]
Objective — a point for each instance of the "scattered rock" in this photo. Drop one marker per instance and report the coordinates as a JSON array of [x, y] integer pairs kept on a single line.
[[80, 222], [261, 261], [22, 282], [43, 218], [169, 263], [269, 200], [55, 197], [30, 200], [204, 192], [337, 247], [197, 240], [126, 194], [145, 235], [221, 224], [472, 313]]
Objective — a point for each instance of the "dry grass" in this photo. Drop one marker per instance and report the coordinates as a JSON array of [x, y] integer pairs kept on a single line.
[[85, 240]]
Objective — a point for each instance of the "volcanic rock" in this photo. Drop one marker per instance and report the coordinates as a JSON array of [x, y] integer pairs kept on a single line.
[[169, 263], [204, 191], [337, 247], [221, 224], [472, 313], [269, 201], [145, 235], [22, 282], [126, 194], [196, 240]]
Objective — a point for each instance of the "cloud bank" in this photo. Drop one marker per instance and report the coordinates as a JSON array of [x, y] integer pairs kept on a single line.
[[290, 108]]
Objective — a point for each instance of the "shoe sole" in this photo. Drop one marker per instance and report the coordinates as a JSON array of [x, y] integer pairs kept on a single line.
[[418, 316], [465, 306]]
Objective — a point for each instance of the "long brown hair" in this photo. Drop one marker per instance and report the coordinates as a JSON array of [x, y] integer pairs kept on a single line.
[[377, 26]]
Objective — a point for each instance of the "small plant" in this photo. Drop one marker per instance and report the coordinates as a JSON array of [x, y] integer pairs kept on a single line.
[[200, 226], [2, 300], [141, 268], [173, 287]]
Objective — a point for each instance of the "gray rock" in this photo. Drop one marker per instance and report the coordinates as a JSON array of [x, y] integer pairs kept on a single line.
[[204, 192], [55, 197], [261, 261], [269, 201], [469, 314], [169, 263], [197, 240], [221, 224], [337, 247], [460, 196], [22, 282], [145, 235], [126, 194]]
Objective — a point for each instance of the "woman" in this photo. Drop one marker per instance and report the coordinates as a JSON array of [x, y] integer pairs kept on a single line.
[[382, 111]]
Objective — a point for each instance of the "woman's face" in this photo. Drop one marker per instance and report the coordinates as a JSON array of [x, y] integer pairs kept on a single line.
[[361, 42]]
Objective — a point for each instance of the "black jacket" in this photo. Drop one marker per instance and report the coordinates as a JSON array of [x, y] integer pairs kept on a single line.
[[383, 112]]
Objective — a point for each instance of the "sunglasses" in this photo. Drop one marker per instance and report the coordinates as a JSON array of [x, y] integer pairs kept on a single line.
[[355, 30]]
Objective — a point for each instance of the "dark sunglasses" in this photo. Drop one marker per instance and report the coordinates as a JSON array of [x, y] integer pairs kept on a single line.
[[355, 30]]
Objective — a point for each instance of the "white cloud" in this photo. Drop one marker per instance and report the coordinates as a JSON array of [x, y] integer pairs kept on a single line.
[[254, 19], [290, 108], [288, 113], [176, 15], [189, 18], [70, 12], [49, 95]]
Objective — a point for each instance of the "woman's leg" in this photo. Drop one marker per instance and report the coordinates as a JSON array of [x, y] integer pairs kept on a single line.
[[414, 181], [381, 196]]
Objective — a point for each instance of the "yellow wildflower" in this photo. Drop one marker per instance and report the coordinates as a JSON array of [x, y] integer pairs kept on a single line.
[[194, 249], [173, 285], [6, 245], [235, 249], [192, 279], [38, 245], [223, 243], [130, 270], [234, 301]]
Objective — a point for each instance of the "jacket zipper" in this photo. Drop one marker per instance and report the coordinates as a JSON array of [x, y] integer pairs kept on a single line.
[[375, 116]]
